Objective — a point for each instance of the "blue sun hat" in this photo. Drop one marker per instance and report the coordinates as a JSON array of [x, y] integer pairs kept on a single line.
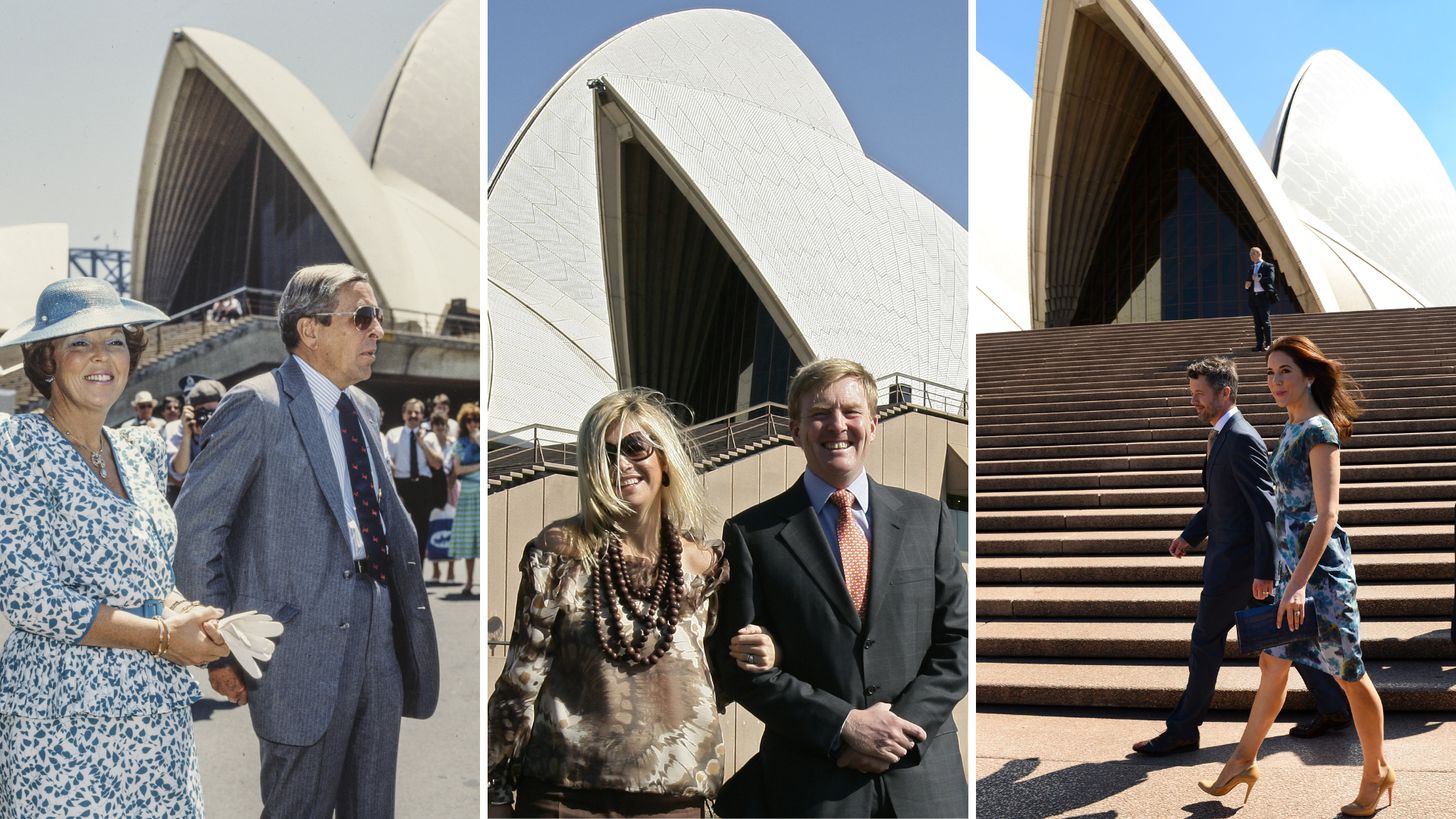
[[79, 305]]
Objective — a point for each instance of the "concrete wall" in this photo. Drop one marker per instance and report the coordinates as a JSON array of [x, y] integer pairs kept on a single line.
[[910, 452]]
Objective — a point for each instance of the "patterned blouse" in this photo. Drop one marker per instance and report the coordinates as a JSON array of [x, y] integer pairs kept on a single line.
[[564, 714], [67, 545]]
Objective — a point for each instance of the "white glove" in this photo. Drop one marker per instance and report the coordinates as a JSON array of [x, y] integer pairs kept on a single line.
[[247, 636]]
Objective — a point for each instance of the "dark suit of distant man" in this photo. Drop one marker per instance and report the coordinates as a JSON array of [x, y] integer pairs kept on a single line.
[[1260, 285], [903, 663]]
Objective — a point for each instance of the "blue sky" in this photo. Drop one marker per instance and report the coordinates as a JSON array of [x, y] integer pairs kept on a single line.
[[1253, 48], [898, 69]]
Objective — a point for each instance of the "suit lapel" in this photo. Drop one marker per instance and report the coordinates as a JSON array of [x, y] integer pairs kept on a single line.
[[887, 522], [805, 539], [304, 409]]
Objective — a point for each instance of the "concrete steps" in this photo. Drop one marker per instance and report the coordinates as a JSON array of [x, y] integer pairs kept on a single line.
[[1404, 685], [1168, 639], [1087, 465]]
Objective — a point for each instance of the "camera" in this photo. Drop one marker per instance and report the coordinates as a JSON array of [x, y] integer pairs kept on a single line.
[[200, 416]]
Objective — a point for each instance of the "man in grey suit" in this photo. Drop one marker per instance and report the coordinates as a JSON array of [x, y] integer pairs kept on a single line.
[[1237, 518], [862, 586], [289, 510]]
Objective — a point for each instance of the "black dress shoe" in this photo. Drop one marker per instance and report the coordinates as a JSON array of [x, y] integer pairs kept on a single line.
[[1320, 725], [1164, 744]]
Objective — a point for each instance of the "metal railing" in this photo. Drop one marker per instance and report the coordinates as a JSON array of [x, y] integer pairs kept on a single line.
[[541, 446], [259, 302], [899, 388]]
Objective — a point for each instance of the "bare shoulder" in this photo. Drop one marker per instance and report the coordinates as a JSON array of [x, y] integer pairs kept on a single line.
[[699, 557]]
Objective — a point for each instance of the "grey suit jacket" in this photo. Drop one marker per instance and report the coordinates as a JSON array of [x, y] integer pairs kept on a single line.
[[912, 651], [261, 525], [1238, 512]]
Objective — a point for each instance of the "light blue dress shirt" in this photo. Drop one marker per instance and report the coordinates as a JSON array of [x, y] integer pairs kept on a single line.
[[819, 492]]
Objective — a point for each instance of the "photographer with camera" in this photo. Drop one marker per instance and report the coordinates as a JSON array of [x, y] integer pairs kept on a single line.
[[185, 441]]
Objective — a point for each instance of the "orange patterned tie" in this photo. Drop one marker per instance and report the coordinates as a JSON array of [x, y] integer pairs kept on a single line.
[[854, 550]]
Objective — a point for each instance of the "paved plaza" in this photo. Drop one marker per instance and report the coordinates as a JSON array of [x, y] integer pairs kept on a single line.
[[1079, 762], [439, 758]]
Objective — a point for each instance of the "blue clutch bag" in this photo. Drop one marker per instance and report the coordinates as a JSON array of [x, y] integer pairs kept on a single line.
[[1257, 632]]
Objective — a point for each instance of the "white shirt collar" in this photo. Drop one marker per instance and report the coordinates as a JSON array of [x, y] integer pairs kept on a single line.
[[325, 392], [1227, 416]]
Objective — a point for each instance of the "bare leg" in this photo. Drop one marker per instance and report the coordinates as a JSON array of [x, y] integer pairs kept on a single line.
[[1273, 684], [469, 574], [1368, 714]]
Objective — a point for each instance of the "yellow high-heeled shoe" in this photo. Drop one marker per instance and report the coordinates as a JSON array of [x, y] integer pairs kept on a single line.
[[1387, 787], [1249, 776]]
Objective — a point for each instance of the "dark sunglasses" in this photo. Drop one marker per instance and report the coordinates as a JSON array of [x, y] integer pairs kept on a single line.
[[635, 448], [364, 317]]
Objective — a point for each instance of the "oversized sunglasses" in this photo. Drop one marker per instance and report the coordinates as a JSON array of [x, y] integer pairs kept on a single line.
[[635, 448], [364, 317]]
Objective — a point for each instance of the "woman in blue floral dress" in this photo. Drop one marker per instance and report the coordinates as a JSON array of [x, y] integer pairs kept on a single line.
[[95, 694], [1315, 576]]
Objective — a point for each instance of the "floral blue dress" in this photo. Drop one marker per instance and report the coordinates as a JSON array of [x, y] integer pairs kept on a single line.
[[84, 730], [1331, 590]]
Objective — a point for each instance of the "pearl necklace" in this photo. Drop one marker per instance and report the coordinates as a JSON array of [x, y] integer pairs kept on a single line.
[[97, 459]]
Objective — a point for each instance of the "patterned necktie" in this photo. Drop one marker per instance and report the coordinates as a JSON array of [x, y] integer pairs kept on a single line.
[[1208, 450], [854, 550], [366, 500]]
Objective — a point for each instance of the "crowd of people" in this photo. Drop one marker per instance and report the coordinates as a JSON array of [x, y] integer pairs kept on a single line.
[[435, 467]]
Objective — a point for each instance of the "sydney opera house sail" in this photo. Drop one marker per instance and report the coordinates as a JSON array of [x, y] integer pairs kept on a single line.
[[247, 177], [1146, 191], [694, 179]]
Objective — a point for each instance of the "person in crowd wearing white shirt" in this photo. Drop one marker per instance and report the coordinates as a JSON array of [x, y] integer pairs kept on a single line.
[[145, 405], [414, 459], [186, 439]]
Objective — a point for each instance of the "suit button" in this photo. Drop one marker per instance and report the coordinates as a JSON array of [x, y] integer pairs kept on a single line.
[[348, 574], [870, 692], [343, 626], [869, 643]]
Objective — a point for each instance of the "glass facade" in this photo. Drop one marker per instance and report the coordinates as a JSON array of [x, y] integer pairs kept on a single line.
[[696, 331], [1176, 241], [262, 228]]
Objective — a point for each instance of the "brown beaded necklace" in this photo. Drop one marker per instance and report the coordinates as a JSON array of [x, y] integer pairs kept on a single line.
[[621, 608]]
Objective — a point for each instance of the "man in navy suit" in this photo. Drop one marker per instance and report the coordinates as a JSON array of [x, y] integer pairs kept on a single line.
[[1237, 518], [1260, 284]]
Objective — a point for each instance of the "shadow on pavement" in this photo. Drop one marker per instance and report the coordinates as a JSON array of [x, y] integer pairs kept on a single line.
[[204, 708], [1015, 793]]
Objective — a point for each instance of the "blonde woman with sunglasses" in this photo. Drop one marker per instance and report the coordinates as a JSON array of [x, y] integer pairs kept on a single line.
[[606, 704]]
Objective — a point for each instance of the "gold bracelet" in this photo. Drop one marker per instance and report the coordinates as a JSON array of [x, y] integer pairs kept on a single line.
[[164, 637]]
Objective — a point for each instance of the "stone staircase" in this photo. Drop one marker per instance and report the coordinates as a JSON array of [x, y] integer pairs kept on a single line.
[[1087, 466]]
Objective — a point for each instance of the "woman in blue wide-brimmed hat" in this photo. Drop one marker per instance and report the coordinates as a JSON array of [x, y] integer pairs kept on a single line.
[[95, 694]]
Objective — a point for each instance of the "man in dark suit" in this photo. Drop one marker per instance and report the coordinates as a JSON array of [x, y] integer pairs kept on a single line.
[[289, 510], [1260, 284], [1238, 519], [861, 586]]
